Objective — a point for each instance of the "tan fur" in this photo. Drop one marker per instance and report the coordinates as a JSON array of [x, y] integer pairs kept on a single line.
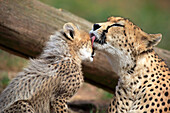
[[50, 80], [144, 83]]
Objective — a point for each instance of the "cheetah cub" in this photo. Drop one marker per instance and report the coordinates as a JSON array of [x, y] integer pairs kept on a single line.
[[53, 78], [144, 78]]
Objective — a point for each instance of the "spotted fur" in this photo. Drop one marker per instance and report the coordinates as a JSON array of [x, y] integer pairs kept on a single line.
[[53, 78], [144, 83]]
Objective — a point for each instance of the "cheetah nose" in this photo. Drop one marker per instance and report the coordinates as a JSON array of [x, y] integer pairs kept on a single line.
[[96, 26]]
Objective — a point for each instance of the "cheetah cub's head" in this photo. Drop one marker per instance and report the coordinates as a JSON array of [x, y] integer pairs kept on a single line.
[[79, 42], [122, 41]]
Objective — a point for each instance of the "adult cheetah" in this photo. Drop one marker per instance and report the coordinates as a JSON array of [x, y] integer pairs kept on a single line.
[[53, 78], [144, 78]]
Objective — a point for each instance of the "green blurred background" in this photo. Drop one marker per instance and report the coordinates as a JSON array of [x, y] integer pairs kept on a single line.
[[153, 16]]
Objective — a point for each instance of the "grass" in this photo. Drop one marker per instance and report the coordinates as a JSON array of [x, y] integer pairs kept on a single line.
[[11, 62], [4, 80], [107, 95], [9, 65]]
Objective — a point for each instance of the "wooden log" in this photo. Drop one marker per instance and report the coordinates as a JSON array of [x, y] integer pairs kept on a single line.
[[25, 26]]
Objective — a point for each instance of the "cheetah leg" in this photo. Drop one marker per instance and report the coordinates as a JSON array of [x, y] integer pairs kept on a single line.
[[19, 107], [117, 106], [112, 108], [60, 106]]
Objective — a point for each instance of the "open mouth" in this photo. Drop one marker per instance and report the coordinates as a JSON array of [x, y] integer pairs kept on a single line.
[[92, 41], [96, 39]]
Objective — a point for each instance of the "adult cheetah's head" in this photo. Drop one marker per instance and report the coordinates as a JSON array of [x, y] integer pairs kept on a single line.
[[122, 34], [122, 40]]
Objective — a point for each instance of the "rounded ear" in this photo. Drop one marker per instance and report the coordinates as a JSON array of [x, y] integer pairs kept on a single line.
[[154, 39], [69, 30]]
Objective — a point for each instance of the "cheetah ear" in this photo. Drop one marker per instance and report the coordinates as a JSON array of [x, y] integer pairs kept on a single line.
[[69, 30], [154, 39]]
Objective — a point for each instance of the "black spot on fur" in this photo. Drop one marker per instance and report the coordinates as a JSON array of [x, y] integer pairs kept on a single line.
[[166, 93], [144, 38], [124, 32]]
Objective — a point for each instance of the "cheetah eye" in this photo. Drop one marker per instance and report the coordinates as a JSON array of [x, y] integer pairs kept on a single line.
[[119, 25]]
